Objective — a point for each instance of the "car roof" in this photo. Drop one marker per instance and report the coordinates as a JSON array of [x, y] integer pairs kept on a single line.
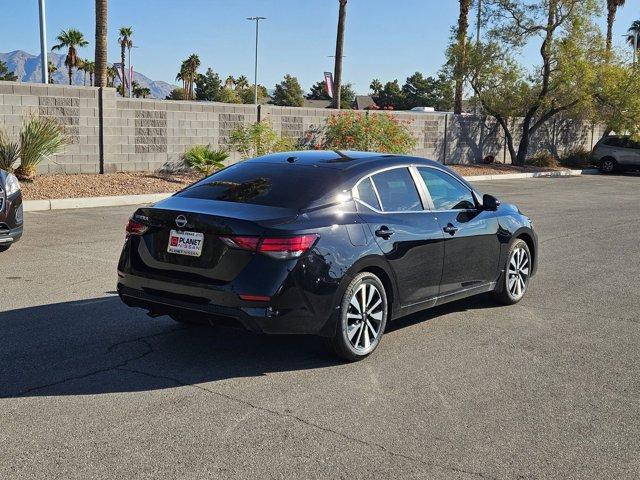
[[346, 160]]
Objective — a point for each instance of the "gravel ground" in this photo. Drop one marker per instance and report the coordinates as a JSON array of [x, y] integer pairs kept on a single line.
[[84, 185], [133, 183]]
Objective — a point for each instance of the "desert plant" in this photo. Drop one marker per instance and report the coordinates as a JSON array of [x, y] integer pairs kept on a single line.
[[258, 139], [204, 160], [40, 137], [380, 132], [544, 159], [576, 158], [9, 152]]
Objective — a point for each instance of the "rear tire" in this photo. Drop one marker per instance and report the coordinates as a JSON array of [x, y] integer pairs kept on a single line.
[[514, 283], [608, 165], [4, 248], [362, 318]]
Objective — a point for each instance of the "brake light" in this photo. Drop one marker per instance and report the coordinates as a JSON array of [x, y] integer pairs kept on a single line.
[[135, 228], [254, 298], [285, 248], [281, 248]]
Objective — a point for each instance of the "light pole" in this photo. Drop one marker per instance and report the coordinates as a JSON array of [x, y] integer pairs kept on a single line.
[[635, 44], [130, 71], [255, 73], [43, 44]]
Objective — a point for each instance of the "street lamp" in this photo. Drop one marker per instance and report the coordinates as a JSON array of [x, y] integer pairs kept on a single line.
[[255, 73], [131, 71], [43, 44], [635, 44]]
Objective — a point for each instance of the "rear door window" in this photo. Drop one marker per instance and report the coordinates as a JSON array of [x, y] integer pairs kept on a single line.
[[275, 185], [398, 192]]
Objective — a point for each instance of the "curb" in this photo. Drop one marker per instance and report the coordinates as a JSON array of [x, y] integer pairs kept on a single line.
[[91, 202], [514, 176]]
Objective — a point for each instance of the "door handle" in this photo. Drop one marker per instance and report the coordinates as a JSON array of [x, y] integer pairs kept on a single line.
[[450, 229], [384, 232]]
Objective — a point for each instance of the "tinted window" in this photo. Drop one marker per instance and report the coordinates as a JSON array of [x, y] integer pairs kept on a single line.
[[367, 194], [615, 142], [286, 185], [397, 191], [446, 192]]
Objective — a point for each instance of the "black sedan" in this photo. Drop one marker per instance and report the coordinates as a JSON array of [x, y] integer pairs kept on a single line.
[[328, 243], [11, 217]]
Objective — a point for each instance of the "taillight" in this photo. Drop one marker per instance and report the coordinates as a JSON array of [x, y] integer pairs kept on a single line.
[[135, 228], [281, 248]]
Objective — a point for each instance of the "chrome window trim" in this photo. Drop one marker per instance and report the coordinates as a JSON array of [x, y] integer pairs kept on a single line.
[[354, 190], [471, 191]]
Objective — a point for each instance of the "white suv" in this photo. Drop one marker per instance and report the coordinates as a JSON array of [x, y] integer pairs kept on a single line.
[[616, 153]]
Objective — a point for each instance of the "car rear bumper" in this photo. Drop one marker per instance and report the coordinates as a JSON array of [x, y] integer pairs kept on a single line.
[[8, 236], [287, 315]]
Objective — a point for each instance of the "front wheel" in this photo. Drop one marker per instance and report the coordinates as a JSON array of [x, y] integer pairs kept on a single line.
[[362, 318], [513, 285], [607, 165]]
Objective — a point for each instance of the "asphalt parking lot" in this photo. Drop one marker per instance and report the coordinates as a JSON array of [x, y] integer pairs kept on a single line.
[[549, 388]]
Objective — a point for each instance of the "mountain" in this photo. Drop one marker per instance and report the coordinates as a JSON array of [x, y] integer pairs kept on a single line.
[[27, 68]]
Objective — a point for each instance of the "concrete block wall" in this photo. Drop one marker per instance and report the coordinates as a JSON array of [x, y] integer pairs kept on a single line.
[[75, 107], [148, 135]]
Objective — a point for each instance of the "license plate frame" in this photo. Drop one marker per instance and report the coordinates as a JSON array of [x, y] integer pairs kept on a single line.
[[185, 243]]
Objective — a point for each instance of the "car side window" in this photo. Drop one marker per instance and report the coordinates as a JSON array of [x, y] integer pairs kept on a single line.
[[367, 194], [398, 192], [446, 192]]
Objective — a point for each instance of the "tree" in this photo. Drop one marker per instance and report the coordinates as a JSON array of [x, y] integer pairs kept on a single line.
[[461, 51], [391, 96], [51, 68], [229, 95], [337, 73], [112, 73], [124, 39], [572, 55], [246, 94], [82, 65], [176, 94], [72, 40], [319, 92], [208, 86], [5, 74], [188, 74], [419, 91], [242, 82], [612, 10], [90, 68], [288, 93], [376, 86], [634, 30], [101, 43], [230, 82], [140, 92]]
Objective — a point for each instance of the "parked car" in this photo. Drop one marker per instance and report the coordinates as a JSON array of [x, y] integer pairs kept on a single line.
[[11, 216], [334, 244], [615, 152]]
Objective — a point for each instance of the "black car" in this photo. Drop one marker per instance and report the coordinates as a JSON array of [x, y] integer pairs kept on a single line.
[[326, 243], [11, 216]]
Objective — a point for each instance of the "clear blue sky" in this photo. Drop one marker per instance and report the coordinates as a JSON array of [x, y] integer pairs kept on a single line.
[[386, 39]]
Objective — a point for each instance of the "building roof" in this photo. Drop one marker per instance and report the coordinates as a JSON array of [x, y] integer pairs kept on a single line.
[[364, 102]]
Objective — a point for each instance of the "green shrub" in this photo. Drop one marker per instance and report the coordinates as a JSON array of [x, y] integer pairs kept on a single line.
[[379, 132], [258, 139], [40, 137], [204, 160], [544, 159], [9, 152], [576, 158]]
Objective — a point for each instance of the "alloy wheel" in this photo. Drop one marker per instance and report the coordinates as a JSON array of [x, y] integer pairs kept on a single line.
[[607, 166], [364, 317], [518, 273]]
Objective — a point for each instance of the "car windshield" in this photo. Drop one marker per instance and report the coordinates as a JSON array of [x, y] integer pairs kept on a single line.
[[275, 185]]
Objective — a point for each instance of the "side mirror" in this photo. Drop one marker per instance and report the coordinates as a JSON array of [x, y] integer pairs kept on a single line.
[[490, 203]]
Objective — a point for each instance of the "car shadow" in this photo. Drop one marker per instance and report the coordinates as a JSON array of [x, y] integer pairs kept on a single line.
[[100, 346]]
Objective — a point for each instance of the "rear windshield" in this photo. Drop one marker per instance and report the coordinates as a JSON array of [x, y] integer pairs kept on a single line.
[[275, 185]]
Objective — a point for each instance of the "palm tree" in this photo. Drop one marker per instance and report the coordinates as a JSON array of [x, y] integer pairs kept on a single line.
[[90, 68], [461, 39], [112, 73], [71, 39], [125, 42], [376, 86], [82, 65], [337, 69], [140, 92], [242, 82], [612, 9], [183, 76], [230, 81], [101, 43], [187, 73], [51, 69], [634, 30]]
